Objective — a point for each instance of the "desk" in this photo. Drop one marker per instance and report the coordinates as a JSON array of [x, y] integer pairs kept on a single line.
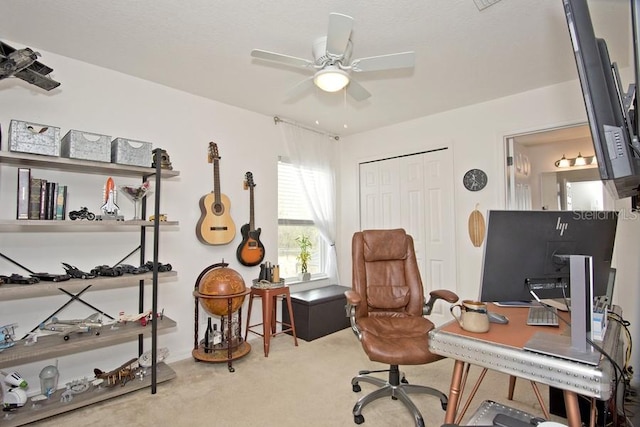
[[501, 349]]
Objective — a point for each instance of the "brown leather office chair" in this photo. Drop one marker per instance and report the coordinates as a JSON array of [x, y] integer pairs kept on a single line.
[[386, 307]]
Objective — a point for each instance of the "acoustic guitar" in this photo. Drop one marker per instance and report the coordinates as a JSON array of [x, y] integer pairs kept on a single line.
[[251, 250], [215, 226]]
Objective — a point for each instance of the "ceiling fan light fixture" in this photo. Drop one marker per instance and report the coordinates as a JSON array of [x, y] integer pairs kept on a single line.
[[331, 79]]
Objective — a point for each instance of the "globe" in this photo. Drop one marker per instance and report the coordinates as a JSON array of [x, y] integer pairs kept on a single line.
[[221, 281]]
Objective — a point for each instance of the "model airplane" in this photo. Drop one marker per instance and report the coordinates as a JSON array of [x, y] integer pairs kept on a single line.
[[7, 334], [92, 323], [121, 375], [144, 317], [22, 63]]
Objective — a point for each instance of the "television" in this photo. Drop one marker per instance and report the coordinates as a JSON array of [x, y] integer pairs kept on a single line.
[[527, 251], [610, 110]]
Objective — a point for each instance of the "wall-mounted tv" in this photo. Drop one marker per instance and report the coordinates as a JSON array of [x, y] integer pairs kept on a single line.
[[610, 110]]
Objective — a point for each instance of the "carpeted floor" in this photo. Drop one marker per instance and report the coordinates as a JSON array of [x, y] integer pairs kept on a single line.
[[308, 385]]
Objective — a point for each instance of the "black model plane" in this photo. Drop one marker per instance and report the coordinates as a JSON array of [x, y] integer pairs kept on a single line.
[[22, 63]]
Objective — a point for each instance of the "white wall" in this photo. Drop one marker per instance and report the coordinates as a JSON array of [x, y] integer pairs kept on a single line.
[[475, 134]]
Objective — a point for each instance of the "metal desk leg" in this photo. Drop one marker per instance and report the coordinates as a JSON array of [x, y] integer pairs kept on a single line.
[[573, 410], [454, 392]]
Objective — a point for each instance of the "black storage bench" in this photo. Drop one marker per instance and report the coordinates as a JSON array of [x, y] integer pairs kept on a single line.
[[318, 312]]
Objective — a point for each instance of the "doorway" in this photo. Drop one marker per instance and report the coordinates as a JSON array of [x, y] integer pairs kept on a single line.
[[537, 180]]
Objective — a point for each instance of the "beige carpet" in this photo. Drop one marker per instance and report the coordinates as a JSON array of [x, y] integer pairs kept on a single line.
[[308, 385]]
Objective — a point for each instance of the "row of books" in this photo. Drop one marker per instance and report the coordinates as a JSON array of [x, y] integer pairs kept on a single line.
[[39, 198]]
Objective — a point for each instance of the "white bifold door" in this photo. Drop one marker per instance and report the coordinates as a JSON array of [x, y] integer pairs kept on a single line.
[[415, 192]]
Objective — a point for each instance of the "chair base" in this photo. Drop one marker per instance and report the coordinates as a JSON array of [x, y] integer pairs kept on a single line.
[[396, 388]]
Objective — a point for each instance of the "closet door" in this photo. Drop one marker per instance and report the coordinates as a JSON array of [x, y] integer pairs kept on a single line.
[[415, 192]]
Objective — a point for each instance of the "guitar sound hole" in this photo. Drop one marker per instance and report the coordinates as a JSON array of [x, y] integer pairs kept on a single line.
[[218, 208]]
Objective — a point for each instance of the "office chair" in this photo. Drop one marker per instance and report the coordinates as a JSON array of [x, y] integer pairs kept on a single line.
[[386, 306]]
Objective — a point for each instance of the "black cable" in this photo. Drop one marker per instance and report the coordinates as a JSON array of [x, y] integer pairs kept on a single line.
[[619, 373]]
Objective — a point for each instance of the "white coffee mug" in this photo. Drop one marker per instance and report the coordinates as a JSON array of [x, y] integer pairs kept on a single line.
[[473, 316]]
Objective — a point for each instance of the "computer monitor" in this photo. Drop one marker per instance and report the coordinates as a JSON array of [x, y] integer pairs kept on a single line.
[[523, 252]]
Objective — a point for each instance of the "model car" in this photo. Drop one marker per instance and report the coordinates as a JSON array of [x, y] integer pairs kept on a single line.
[[49, 277], [105, 270], [76, 273], [161, 266], [130, 269], [21, 280]]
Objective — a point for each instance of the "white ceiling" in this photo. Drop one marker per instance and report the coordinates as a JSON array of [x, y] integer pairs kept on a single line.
[[463, 55]]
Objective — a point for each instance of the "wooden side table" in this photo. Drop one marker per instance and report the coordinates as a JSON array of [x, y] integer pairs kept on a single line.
[[269, 298]]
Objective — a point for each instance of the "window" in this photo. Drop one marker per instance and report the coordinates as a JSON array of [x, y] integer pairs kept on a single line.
[[295, 219]]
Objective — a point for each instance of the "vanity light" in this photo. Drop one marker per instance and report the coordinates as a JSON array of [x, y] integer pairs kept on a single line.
[[576, 161], [563, 162]]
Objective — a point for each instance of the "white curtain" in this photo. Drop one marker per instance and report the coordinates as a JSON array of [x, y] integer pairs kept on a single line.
[[313, 155]]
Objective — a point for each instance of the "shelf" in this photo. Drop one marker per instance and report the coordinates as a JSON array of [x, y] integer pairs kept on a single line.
[[52, 346], [42, 289], [44, 409], [81, 166], [40, 225]]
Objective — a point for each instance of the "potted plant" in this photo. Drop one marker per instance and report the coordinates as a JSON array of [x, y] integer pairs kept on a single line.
[[304, 256]]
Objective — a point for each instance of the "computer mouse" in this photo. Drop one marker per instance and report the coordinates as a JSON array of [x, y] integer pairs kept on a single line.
[[497, 318]]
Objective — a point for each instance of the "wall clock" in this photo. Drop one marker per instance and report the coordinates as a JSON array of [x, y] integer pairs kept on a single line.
[[474, 180]]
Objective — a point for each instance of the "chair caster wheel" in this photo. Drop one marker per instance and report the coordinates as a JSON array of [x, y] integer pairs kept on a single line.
[[356, 388], [404, 381], [444, 405], [358, 419]]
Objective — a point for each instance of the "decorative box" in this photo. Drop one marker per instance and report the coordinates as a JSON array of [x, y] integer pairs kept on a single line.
[[34, 138], [86, 146], [130, 152]]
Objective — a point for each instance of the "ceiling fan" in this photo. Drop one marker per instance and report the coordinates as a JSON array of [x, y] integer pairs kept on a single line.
[[332, 61]]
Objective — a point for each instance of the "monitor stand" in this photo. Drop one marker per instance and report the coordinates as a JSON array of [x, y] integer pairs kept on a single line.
[[574, 347]]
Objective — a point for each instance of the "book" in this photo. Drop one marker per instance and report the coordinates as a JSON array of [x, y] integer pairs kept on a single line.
[[51, 200], [34, 198], [61, 203], [24, 183], [43, 199]]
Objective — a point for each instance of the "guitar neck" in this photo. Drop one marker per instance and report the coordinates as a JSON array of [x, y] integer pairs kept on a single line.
[[251, 222], [216, 181]]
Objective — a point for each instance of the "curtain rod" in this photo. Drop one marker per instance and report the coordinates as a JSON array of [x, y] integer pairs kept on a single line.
[[277, 119]]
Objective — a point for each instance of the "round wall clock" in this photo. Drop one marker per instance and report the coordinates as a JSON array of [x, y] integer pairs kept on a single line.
[[474, 180]]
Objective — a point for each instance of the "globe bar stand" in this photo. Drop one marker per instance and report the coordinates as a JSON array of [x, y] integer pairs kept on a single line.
[[232, 347]]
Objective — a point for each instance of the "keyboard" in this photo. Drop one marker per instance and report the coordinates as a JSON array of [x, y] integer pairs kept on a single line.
[[542, 316]]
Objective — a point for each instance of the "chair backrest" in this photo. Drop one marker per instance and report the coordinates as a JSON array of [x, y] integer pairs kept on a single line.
[[385, 274]]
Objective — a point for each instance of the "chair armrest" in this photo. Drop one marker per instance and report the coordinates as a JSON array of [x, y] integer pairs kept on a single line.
[[353, 301], [353, 298], [444, 294]]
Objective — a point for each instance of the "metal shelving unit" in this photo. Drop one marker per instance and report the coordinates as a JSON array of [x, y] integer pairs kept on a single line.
[[54, 346]]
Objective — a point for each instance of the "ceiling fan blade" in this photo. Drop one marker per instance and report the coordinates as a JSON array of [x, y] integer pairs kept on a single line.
[[357, 91], [385, 62], [283, 59], [338, 34], [300, 88]]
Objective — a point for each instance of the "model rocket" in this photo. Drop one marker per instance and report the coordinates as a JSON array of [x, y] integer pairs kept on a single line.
[[110, 206]]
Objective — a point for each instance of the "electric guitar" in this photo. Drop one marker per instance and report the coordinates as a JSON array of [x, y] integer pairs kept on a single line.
[[215, 226], [251, 251]]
